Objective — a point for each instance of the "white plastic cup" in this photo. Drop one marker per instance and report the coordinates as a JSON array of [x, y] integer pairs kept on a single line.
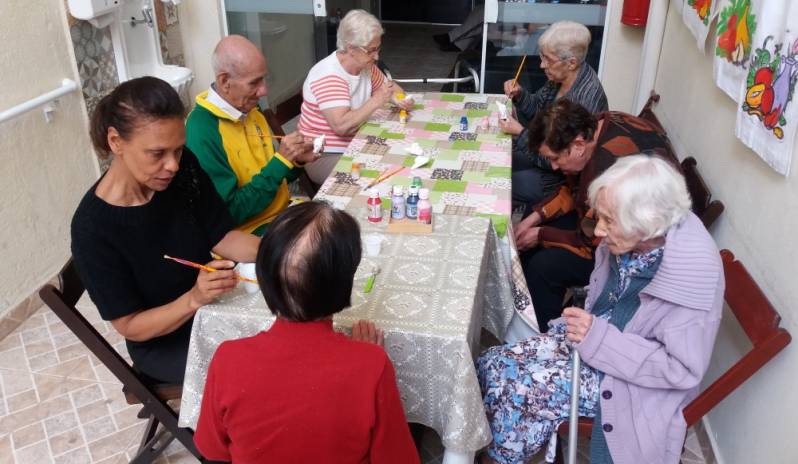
[[248, 270], [373, 244]]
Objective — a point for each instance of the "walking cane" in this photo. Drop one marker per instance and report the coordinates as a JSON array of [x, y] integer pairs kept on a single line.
[[579, 297]]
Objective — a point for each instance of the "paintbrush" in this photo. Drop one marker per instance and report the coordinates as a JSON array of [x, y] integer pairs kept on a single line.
[[188, 263], [384, 176], [518, 73]]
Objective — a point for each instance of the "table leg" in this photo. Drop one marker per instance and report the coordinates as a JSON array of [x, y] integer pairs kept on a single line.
[[451, 456]]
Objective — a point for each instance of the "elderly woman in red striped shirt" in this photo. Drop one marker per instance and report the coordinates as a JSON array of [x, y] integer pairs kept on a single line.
[[344, 89]]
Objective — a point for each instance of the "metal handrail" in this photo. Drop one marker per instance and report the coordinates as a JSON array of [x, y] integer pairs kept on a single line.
[[67, 86]]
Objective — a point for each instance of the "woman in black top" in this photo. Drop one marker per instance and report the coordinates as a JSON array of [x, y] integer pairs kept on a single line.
[[153, 200]]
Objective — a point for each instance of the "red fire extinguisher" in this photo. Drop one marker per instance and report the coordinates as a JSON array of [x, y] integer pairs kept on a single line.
[[635, 12]]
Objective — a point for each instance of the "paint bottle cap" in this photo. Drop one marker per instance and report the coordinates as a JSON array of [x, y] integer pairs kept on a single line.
[[374, 193], [397, 190]]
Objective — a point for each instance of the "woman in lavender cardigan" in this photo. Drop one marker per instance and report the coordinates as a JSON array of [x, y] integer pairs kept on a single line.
[[653, 309]]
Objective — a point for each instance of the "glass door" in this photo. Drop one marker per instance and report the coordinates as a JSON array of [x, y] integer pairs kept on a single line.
[[515, 33], [291, 33]]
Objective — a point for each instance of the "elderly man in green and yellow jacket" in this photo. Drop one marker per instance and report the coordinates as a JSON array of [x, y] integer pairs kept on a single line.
[[234, 144]]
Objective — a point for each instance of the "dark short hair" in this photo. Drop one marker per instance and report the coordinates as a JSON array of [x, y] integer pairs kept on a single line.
[[131, 104], [559, 124], [307, 261]]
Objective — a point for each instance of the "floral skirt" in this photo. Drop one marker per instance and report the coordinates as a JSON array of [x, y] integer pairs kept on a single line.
[[527, 394]]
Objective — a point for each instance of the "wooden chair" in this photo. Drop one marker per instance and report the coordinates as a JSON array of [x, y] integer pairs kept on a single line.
[[760, 322], [707, 209], [138, 388]]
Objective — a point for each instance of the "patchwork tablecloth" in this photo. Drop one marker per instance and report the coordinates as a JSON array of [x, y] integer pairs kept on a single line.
[[469, 172], [432, 295]]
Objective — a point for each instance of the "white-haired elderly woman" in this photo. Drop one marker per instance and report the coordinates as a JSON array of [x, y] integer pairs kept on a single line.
[[645, 336], [563, 48], [344, 89]]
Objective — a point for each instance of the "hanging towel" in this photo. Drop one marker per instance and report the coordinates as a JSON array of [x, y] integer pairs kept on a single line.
[[767, 115], [737, 22], [698, 15]]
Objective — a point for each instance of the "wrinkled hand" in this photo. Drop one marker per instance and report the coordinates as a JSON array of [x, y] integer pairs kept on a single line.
[[577, 323], [384, 93], [527, 237], [210, 285], [366, 331], [295, 147], [511, 126], [512, 91]]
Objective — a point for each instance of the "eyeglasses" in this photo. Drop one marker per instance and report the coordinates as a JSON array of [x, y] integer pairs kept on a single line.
[[369, 51], [547, 60]]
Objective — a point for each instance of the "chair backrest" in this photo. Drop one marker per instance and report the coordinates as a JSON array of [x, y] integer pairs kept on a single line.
[[707, 209], [62, 302], [760, 322]]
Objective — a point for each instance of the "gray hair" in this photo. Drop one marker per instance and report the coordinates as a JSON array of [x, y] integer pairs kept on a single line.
[[566, 39], [358, 28], [648, 195]]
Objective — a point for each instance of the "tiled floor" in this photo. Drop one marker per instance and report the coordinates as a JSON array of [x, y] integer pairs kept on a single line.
[[410, 52], [59, 404]]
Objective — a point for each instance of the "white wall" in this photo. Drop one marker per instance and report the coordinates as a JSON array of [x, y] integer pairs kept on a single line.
[[46, 168], [758, 422], [623, 45], [200, 31]]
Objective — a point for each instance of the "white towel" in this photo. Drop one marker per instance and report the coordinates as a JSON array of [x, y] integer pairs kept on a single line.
[[737, 22], [698, 15], [767, 116]]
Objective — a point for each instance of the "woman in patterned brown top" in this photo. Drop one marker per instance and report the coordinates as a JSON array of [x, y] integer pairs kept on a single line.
[[556, 239]]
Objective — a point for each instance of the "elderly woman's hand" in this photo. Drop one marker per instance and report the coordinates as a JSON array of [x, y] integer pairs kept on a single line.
[[510, 126], [527, 238], [366, 331], [512, 89], [384, 93], [577, 323]]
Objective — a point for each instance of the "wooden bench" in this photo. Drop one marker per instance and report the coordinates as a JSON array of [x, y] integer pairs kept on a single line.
[[760, 322], [707, 209]]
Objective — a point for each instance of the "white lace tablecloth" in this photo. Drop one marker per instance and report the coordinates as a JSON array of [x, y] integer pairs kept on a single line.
[[432, 296]]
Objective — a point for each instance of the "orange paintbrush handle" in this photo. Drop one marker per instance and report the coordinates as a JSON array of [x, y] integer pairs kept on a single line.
[[186, 262]]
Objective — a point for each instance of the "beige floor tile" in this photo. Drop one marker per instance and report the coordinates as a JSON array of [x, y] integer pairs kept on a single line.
[[87, 395], [6, 453], [39, 412], [127, 417], [13, 340], [99, 429], [78, 368], [14, 359], [39, 347], [64, 339], [43, 361], [15, 381], [69, 352], [38, 453], [60, 423], [35, 334], [67, 441], [77, 456], [182, 457], [29, 435], [93, 411], [50, 386], [34, 321], [110, 445], [113, 392], [21, 401]]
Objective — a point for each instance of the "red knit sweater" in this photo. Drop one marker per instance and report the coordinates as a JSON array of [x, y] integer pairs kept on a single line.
[[302, 393]]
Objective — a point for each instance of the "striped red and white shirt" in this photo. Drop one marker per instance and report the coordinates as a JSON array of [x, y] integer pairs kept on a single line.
[[328, 85]]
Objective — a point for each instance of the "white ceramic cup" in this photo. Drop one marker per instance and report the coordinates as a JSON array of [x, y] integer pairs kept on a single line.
[[248, 270], [373, 244]]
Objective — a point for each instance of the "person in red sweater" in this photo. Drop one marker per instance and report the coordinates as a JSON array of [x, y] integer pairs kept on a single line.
[[300, 392]]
